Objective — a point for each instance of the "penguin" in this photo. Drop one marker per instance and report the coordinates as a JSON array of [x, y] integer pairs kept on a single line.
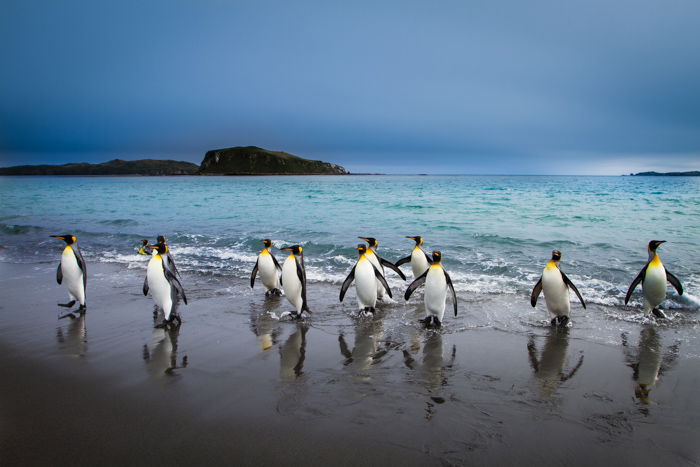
[[269, 269], [145, 250], [379, 263], [72, 267], [555, 285], [437, 281], [653, 277], [294, 281], [164, 286], [365, 274], [419, 259], [168, 258]]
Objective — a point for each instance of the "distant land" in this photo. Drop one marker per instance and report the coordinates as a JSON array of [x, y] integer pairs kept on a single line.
[[113, 167], [693, 173], [252, 160], [241, 160]]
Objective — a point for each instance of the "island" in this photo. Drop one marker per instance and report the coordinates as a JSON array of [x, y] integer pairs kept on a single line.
[[693, 173], [113, 167], [252, 160]]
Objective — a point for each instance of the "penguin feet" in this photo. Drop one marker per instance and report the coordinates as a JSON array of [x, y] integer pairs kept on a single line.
[[431, 322], [367, 312], [560, 321], [82, 308], [162, 325], [176, 320], [659, 314], [292, 314], [67, 305]]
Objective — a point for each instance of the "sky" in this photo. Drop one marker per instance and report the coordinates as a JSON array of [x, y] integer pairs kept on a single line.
[[483, 87]]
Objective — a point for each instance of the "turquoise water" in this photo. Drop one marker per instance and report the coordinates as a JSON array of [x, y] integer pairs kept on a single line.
[[495, 232]]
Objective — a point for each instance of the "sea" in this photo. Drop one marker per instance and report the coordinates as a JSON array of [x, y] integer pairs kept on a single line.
[[495, 233]]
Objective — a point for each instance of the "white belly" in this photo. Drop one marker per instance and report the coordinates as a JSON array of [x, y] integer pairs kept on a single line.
[[419, 263], [365, 284], [378, 285], [268, 272], [291, 283], [159, 285], [654, 287], [435, 292], [556, 293], [72, 275]]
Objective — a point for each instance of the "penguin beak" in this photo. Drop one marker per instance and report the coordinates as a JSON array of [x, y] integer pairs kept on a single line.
[[153, 247], [288, 248], [58, 236]]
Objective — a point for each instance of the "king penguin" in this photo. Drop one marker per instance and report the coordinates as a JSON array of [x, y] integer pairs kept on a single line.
[[365, 274], [379, 263], [419, 259], [269, 270], [145, 248], [164, 286], [73, 269], [653, 277], [294, 281], [555, 285], [437, 281]]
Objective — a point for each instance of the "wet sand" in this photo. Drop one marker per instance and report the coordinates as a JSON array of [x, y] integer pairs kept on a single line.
[[235, 386]]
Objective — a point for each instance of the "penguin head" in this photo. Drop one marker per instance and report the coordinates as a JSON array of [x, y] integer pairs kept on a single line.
[[437, 256], [361, 249], [160, 248], [144, 242], [654, 244], [418, 239], [371, 241], [295, 249], [267, 242], [68, 238], [642, 392], [556, 255], [162, 239]]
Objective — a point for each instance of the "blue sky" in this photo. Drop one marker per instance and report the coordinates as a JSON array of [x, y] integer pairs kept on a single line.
[[551, 87]]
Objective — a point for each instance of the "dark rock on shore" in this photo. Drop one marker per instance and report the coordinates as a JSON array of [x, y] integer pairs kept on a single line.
[[252, 160], [113, 167]]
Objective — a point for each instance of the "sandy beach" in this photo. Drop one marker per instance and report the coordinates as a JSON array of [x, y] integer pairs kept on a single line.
[[234, 385]]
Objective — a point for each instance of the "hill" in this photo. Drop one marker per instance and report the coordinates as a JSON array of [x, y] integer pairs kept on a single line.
[[693, 173], [252, 160], [113, 167]]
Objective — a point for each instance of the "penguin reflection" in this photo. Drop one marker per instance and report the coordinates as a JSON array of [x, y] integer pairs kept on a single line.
[[648, 363], [264, 326], [163, 358], [74, 338], [433, 368], [366, 350], [293, 353], [549, 368]]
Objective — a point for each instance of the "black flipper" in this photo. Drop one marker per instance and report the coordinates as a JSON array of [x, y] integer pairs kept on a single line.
[[571, 285], [391, 266], [174, 282], [672, 279], [81, 264], [346, 284], [405, 260], [415, 284], [452, 288], [145, 285], [254, 273], [59, 274], [536, 291], [427, 256], [172, 262], [381, 279], [301, 274], [635, 282], [277, 265]]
